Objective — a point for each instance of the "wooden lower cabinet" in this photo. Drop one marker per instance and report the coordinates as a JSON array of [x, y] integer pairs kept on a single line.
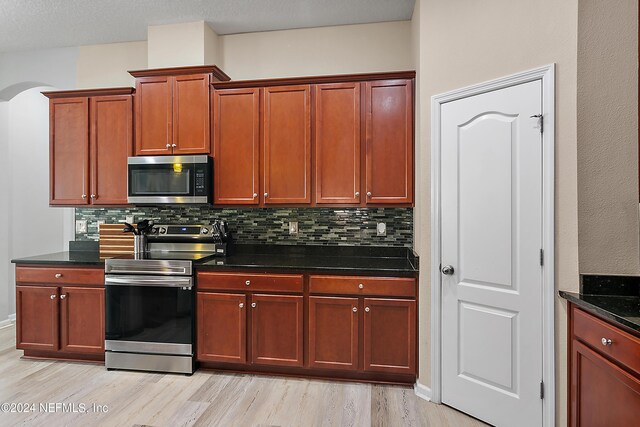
[[37, 318], [277, 330], [333, 333], [604, 379], [82, 320], [222, 327]]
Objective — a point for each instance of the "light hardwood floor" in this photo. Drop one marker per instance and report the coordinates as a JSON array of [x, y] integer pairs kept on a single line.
[[204, 399]]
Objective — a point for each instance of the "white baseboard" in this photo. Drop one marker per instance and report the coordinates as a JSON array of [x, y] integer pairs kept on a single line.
[[422, 391], [9, 321], [12, 317]]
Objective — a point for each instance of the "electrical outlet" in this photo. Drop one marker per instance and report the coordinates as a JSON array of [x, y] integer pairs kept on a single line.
[[128, 219], [381, 229], [81, 226], [293, 228]]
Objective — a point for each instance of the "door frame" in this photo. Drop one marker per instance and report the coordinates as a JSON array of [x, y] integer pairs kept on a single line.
[[546, 75]]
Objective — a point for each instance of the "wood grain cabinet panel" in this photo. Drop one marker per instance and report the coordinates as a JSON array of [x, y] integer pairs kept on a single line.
[[333, 333], [250, 282], [153, 116], [602, 393], [110, 146], [221, 327], [69, 151], [277, 330], [337, 143], [191, 130], [287, 144], [389, 142], [82, 320], [390, 335], [236, 142], [363, 285], [60, 275], [37, 318]]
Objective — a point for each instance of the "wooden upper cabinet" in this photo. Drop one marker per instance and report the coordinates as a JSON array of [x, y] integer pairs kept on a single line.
[[287, 144], [191, 131], [69, 151], [82, 320], [236, 142], [153, 116], [389, 142], [110, 145], [337, 143], [37, 317]]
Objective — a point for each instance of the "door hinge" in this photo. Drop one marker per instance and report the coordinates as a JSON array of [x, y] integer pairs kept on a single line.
[[541, 257], [540, 118], [541, 390]]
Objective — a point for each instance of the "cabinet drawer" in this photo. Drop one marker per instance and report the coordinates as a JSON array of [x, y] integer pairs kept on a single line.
[[363, 285], [624, 347], [60, 275], [250, 282]]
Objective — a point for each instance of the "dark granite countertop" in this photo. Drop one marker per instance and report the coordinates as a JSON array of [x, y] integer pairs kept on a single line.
[[616, 298], [61, 258]]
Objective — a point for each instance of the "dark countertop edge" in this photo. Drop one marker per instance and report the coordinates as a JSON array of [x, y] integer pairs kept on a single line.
[[577, 300], [324, 269]]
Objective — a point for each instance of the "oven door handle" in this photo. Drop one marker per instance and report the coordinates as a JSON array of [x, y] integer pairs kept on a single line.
[[158, 281]]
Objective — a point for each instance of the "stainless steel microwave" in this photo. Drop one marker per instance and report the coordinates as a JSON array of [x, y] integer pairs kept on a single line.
[[169, 179]]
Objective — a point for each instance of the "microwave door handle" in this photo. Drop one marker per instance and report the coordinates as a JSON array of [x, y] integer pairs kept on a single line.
[[172, 282]]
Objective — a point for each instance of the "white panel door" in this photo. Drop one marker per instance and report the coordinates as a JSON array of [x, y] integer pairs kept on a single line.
[[491, 194]]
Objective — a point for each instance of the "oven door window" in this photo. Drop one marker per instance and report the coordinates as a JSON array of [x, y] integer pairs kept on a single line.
[[149, 314], [160, 180]]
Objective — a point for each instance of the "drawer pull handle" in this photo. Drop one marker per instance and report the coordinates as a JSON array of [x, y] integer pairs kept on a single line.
[[248, 282], [360, 286], [63, 296], [367, 309], [58, 275], [253, 305], [53, 297], [606, 341], [355, 309], [241, 305]]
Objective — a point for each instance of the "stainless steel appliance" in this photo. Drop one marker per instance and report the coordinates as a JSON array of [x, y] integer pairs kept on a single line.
[[150, 299], [170, 179]]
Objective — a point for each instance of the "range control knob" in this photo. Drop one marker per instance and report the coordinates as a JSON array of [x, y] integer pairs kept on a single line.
[[163, 230], [205, 230]]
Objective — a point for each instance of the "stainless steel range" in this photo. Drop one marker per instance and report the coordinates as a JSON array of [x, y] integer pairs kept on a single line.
[[150, 299]]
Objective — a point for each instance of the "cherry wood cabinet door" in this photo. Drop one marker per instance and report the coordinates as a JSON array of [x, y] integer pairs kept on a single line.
[[236, 124], [333, 333], [389, 142], [69, 151], [277, 330], [82, 320], [221, 327], [337, 143], [390, 335], [111, 144], [602, 394], [37, 318], [191, 115], [287, 145], [153, 104]]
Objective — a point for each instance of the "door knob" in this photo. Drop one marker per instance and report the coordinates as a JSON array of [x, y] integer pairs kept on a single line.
[[447, 269]]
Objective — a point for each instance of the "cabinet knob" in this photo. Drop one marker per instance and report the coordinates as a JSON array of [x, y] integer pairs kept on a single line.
[[266, 195], [367, 309], [241, 305], [248, 282], [168, 146], [253, 305], [357, 193], [63, 296], [58, 275], [93, 196], [173, 145], [355, 309], [53, 297], [360, 286], [255, 195], [368, 193], [84, 196], [606, 341]]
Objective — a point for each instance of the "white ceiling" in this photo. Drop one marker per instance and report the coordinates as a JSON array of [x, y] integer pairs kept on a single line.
[[39, 24]]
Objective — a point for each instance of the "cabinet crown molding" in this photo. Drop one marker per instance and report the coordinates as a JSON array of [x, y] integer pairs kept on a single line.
[[216, 72], [88, 92]]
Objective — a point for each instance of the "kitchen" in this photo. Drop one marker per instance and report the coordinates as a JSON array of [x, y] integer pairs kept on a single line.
[[405, 226]]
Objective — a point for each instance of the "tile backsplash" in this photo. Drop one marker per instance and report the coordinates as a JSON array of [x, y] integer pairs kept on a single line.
[[317, 226]]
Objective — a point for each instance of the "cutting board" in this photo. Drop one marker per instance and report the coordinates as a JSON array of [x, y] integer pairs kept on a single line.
[[113, 241]]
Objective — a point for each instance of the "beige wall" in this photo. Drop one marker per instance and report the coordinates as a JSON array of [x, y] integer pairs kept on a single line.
[[106, 65], [329, 50], [608, 137], [175, 45], [466, 42]]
